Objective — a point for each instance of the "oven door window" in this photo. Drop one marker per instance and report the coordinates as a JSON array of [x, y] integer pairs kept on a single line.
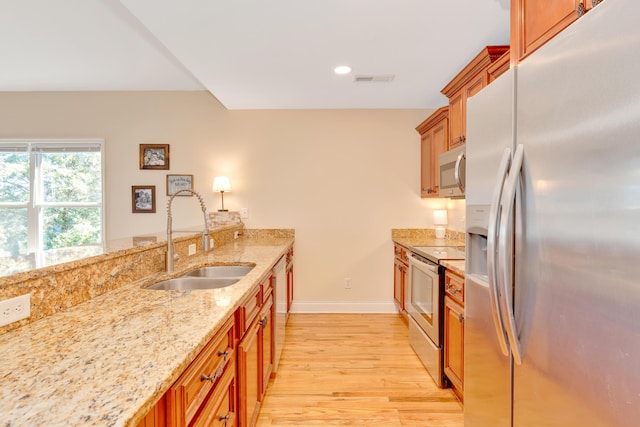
[[422, 291]]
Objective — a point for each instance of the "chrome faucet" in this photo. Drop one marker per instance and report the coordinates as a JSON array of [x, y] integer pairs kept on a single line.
[[205, 233]]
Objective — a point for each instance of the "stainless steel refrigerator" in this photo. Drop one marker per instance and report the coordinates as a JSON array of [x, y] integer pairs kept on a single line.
[[552, 297]]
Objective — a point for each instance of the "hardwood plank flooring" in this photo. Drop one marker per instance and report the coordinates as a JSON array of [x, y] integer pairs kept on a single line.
[[354, 369]]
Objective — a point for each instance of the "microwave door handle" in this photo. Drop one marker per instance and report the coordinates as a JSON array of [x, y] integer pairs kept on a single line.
[[505, 237], [492, 236], [456, 171]]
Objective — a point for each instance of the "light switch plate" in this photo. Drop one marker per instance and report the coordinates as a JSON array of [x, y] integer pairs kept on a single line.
[[14, 309]]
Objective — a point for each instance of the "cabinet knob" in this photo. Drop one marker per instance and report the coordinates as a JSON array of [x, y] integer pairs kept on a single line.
[[461, 317]]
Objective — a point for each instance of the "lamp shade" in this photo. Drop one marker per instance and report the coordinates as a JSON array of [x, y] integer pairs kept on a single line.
[[440, 217], [221, 184]]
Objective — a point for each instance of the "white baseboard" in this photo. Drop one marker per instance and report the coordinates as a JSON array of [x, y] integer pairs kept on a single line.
[[343, 307]]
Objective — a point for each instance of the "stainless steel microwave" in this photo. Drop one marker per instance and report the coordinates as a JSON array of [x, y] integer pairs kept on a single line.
[[452, 165]]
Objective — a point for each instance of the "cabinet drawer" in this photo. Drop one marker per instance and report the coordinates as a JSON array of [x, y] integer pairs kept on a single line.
[[249, 310], [454, 286], [190, 390], [220, 409]]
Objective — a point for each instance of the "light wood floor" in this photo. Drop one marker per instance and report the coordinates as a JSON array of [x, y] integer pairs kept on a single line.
[[354, 369]]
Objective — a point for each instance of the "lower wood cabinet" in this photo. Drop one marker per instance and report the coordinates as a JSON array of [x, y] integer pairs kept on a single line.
[[227, 381], [196, 389], [454, 332], [157, 416], [221, 407], [400, 270], [267, 351], [249, 379]]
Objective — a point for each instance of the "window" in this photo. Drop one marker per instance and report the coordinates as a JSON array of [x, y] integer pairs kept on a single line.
[[51, 202]]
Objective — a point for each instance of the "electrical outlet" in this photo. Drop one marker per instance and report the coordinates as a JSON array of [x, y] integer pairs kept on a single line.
[[212, 244], [235, 234], [15, 309], [192, 249], [347, 282], [244, 213]]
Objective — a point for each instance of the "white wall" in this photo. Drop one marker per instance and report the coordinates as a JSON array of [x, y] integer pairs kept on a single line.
[[341, 178]]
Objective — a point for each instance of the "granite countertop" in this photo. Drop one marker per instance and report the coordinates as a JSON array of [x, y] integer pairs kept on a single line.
[[106, 362], [422, 237], [457, 266]]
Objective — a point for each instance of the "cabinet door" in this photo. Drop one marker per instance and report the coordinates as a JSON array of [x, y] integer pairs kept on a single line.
[[434, 137], [249, 381], [427, 181], [454, 344], [399, 274], [456, 119], [533, 23], [267, 318]]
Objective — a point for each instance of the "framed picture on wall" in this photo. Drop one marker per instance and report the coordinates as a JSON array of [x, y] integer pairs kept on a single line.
[[143, 198], [179, 182], [154, 156]]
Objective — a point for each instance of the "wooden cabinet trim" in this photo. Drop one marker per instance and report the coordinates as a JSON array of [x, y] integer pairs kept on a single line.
[[500, 66], [434, 118], [481, 61]]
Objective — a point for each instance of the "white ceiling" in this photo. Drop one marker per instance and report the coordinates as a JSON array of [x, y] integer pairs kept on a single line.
[[250, 54]]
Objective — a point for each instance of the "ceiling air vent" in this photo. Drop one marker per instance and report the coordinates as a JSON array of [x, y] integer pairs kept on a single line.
[[384, 78]]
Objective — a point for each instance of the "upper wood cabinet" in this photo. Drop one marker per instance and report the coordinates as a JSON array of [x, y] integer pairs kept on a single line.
[[464, 85], [533, 23], [434, 133]]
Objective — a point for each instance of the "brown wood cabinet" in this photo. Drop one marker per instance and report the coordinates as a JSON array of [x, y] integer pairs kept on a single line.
[[289, 268], [454, 332], [226, 382], [157, 416], [197, 387], [434, 137], [256, 345], [249, 380], [400, 270], [267, 323], [533, 23], [469, 81]]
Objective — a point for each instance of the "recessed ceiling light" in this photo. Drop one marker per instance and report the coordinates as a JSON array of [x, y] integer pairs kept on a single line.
[[342, 69]]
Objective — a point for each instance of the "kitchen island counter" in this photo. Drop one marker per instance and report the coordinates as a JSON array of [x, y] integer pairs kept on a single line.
[[106, 362]]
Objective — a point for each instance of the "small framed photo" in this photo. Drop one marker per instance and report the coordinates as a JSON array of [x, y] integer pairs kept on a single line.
[[154, 156], [179, 182], [143, 198]]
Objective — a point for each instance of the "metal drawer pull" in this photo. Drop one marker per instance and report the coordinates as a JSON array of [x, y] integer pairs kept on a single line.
[[460, 317], [223, 353], [217, 374]]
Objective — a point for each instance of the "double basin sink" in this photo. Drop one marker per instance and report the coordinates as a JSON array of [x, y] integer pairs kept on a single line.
[[212, 277]]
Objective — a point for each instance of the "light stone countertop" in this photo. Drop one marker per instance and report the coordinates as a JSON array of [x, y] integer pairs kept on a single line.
[[106, 362], [457, 266]]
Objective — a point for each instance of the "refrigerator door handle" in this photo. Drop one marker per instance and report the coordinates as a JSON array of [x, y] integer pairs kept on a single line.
[[456, 171], [505, 235], [492, 236]]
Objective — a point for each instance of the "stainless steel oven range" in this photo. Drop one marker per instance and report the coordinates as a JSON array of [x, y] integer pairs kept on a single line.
[[425, 305]]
